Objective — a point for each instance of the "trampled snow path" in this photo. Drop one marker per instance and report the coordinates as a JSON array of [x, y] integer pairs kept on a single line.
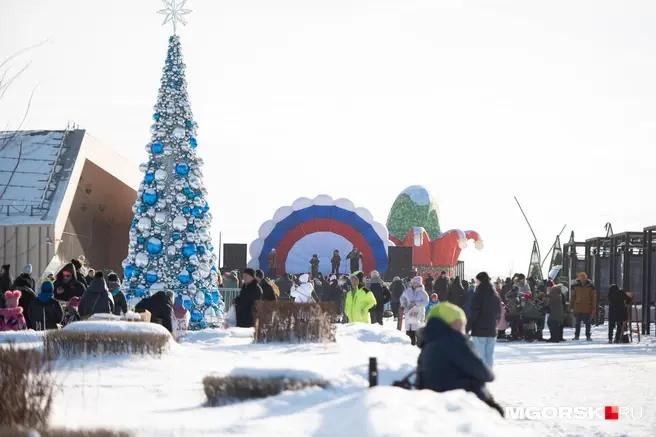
[[164, 396]]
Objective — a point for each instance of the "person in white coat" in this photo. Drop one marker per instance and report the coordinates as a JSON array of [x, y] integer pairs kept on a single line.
[[302, 293], [413, 302]]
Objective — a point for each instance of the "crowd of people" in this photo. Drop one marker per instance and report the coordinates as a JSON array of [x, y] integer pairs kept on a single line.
[[439, 314], [76, 292]]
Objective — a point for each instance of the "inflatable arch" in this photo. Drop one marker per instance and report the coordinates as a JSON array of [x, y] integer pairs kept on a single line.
[[320, 225]]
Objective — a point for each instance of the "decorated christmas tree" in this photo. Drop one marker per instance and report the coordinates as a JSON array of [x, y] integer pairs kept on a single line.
[[170, 246]]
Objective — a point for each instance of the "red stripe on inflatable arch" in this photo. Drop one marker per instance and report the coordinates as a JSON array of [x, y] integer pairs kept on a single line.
[[324, 225]]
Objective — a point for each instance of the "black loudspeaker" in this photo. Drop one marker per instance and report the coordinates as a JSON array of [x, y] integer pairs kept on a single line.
[[234, 257], [400, 262]]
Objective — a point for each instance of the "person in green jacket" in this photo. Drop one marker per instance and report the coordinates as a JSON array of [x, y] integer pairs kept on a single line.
[[358, 301]]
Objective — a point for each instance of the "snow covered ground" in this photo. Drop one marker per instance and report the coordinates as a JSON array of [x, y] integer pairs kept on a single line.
[[164, 396]]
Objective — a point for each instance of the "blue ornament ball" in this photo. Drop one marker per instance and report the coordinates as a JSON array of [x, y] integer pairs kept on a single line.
[[191, 268], [151, 277], [149, 178], [196, 315], [181, 169], [184, 277], [208, 299], [186, 210], [214, 295], [189, 124], [141, 239], [156, 116], [157, 148], [200, 249], [189, 249], [154, 246], [191, 228], [129, 270], [176, 236], [197, 212], [193, 143], [149, 197], [140, 291], [187, 303]]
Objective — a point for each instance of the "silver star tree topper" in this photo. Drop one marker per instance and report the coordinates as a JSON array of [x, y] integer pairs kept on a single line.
[[174, 12]]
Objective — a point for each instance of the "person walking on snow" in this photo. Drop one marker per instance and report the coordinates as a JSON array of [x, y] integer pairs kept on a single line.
[[617, 305], [434, 300], [485, 312], [413, 302], [358, 301], [584, 304]]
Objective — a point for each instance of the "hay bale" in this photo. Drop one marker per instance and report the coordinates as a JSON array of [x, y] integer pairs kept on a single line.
[[106, 338], [26, 388], [229, 389], [291, 322]]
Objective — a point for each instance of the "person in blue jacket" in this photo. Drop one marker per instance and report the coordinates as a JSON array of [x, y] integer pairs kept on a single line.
[[447, 360]]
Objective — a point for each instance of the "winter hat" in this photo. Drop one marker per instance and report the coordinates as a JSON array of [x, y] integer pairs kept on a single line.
[[11, 298], [112, 277], [360, 276], [332, 278], [98, 275], [47, 289], [304, 278], [259, 274], [250, 272], [448, 313], [396, 278], [6, 267], [417, 281], [27, 269], [582, 276], [435, 296], [375, 274], [483, 277], [22, 281], [74, 302]]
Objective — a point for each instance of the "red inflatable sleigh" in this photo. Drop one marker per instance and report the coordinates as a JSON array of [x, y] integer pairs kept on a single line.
[[444, 251]]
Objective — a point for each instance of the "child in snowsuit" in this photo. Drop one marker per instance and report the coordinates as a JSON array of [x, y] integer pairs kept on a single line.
[[11, 317], [447, 360], [434, 300]]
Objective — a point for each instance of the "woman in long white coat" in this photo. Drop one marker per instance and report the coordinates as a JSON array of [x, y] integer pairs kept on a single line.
[[302, 293], [413, 302]]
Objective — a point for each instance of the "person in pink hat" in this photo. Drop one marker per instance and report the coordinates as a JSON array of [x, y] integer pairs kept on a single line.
[[11, 317]]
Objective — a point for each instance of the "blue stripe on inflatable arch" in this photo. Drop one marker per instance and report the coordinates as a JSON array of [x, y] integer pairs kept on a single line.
[[297, 218]]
